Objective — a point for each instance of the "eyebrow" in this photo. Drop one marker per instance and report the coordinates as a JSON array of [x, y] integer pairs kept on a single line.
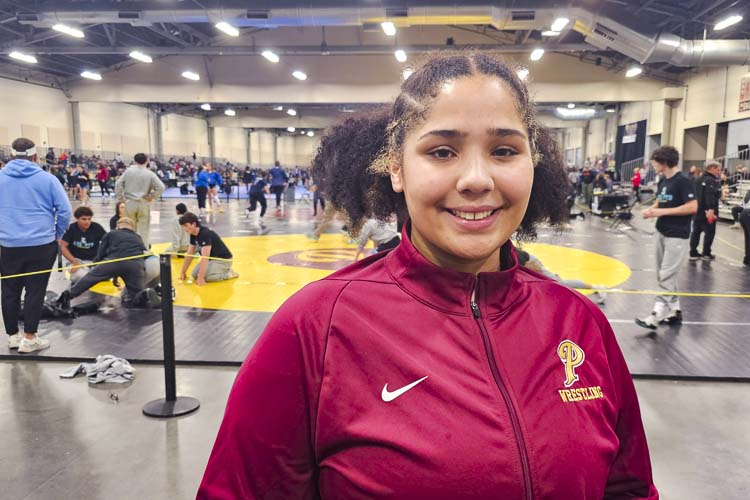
[[497, 132]]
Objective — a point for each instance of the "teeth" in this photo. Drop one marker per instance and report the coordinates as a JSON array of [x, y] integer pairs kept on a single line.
[[472, 215]]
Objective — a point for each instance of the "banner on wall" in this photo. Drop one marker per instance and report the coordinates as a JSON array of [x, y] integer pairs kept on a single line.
[[745, 93], [631, 133]]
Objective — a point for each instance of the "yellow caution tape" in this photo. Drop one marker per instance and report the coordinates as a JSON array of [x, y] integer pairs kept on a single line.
[[79, 266]]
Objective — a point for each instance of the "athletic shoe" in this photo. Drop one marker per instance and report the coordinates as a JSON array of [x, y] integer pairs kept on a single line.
[[709, 256], [231, 274], [651, 321], [600, 297], [674, 318], [64, 300], [14, 340], [694, 256], [35, 344], [736, 225]]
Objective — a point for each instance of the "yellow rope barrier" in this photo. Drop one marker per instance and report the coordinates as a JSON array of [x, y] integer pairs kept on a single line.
[[79, 266]]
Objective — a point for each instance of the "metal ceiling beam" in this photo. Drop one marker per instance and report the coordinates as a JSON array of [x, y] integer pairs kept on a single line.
[[168, 36], [303, 50], [206, 39]]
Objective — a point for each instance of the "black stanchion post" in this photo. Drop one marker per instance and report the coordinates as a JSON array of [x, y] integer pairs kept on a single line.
[[171, 406]]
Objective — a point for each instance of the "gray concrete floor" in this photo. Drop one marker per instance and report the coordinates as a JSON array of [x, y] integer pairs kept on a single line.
[[64, 439]]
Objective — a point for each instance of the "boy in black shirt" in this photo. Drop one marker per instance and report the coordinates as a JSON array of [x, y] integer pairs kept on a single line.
[[80, 242], [258, 195], [210, 245], [674, 209]]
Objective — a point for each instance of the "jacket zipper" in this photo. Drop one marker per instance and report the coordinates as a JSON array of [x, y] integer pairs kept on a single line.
[[506, 397]]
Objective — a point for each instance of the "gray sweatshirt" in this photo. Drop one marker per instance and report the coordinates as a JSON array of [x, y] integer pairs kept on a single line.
[[137, 182]]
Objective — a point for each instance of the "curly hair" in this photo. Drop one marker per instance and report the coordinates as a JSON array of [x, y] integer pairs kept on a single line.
[[666, 155], [354, 156]]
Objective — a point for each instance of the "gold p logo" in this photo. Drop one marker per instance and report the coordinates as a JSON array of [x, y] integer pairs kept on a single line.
[[572, 357]]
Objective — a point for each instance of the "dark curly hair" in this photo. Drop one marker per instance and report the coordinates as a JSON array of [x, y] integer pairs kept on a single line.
[[353, 159], [666, 155]]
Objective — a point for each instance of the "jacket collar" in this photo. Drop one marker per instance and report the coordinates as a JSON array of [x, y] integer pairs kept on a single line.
[[448, 290]]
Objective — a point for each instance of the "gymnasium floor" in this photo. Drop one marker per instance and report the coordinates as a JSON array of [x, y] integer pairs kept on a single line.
[[64, 439]]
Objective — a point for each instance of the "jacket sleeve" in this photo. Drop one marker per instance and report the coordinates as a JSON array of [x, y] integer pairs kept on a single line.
[[120, 187], [103, 248], [710, 195], [157, 186], [630, 475], [265, 446], [63, 211]]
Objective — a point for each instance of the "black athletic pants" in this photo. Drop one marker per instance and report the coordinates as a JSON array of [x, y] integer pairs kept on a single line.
[[699, 226], [132, 273], [316, 199], [103, 187], [201, 192], [392, 243], [256, 198], [17, 260], [277, 190], [736, 211], [745, 222]]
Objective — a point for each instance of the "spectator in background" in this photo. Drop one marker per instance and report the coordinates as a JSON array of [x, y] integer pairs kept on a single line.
[[587, 185], [50, 157], [745, 223], [258, 193], [708, 194], [34, 214], [278, 182], [202, 179], [215, 182], [102, 177], [180, 241], [64, 159], [247, 179], [636, 181], [318, 196], [82, 178], [120, 212], [139, 186], [80, 243]]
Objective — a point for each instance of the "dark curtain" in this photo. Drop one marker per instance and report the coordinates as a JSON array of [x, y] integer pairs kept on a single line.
[[630, 150]]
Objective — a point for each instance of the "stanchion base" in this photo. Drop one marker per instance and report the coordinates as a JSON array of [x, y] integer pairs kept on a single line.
[[162, 408]]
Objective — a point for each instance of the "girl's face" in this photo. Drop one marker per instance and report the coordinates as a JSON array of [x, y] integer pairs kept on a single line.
[[467, 174], [121, 209]]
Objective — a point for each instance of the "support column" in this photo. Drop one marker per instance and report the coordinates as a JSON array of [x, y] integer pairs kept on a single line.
[[248, 145], [158, 135], [211, 143], [275, 146], [711, 143], [76, 114]]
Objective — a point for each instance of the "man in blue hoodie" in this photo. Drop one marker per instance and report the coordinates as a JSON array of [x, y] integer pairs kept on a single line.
[[278, 181], [34, 214]]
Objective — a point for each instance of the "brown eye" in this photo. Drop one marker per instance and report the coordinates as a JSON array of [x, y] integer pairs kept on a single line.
[[505, 152], [441, 153]]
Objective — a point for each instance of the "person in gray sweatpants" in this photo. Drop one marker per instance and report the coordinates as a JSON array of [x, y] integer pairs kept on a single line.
[[138, 186], [215, 262], [674, 209]]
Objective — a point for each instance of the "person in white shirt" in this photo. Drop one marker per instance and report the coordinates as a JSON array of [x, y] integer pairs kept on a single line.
[[383, 235]]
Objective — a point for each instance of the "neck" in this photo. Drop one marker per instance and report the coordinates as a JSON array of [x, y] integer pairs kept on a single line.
[[670, 172]]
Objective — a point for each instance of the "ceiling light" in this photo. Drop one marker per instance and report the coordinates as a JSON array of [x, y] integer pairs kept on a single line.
[[23, 57], [550, 33], [610, 110], [729, 21], [559, 24], [571, 105], [190, 75], [301, 132], [310, 133], [278, 108], [206, 107], [91, 75], [64, 28], [290, 129], [227, 28], [299, 75], [388, 28], [634, 71], [400, 55], [523, 73], [291, 112], [229, 112], [140, 56], [407, 73], [271, 56], [575, 113], [536, 54]]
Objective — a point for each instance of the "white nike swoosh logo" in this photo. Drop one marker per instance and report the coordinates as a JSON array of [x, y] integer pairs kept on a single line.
[[390, 396]]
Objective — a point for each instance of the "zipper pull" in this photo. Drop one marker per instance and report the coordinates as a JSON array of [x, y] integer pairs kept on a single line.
[[475, 309]]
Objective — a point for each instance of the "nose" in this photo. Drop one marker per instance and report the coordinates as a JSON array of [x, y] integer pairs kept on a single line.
[[475, 175]]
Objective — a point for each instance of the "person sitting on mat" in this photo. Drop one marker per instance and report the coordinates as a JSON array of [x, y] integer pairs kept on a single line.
[[215, 261], [80, 243], [179, 238], [121, 243]]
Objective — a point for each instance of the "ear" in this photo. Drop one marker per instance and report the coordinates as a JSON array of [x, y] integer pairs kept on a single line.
[[396, 178]]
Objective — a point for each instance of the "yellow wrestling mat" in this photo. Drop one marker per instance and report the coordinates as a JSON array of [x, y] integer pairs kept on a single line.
[[274, 267]]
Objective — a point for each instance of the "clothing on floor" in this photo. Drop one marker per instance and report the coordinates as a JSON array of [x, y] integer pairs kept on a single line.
[[17, 260], [106, 368]]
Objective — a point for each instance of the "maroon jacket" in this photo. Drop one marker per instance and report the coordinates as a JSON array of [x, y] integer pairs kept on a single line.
[[385, 380]]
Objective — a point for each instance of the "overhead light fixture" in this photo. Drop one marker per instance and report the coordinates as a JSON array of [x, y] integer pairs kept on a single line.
[[523, 73], [206, 107], [299, 75], [559, 24], [278, 108], [68, 30], [27, 58], [291, 112], [388, 28], [634, 71], [301, 132], [571, 105], [290, 129], [310, 133], [227, 28], [536, 54], [576, 112], [550, 33], [729, 21], [229, 112], [140, 56], [407, 73], [191, 75], [610, 110], [91, 75], [400, 55], [271, 56]]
